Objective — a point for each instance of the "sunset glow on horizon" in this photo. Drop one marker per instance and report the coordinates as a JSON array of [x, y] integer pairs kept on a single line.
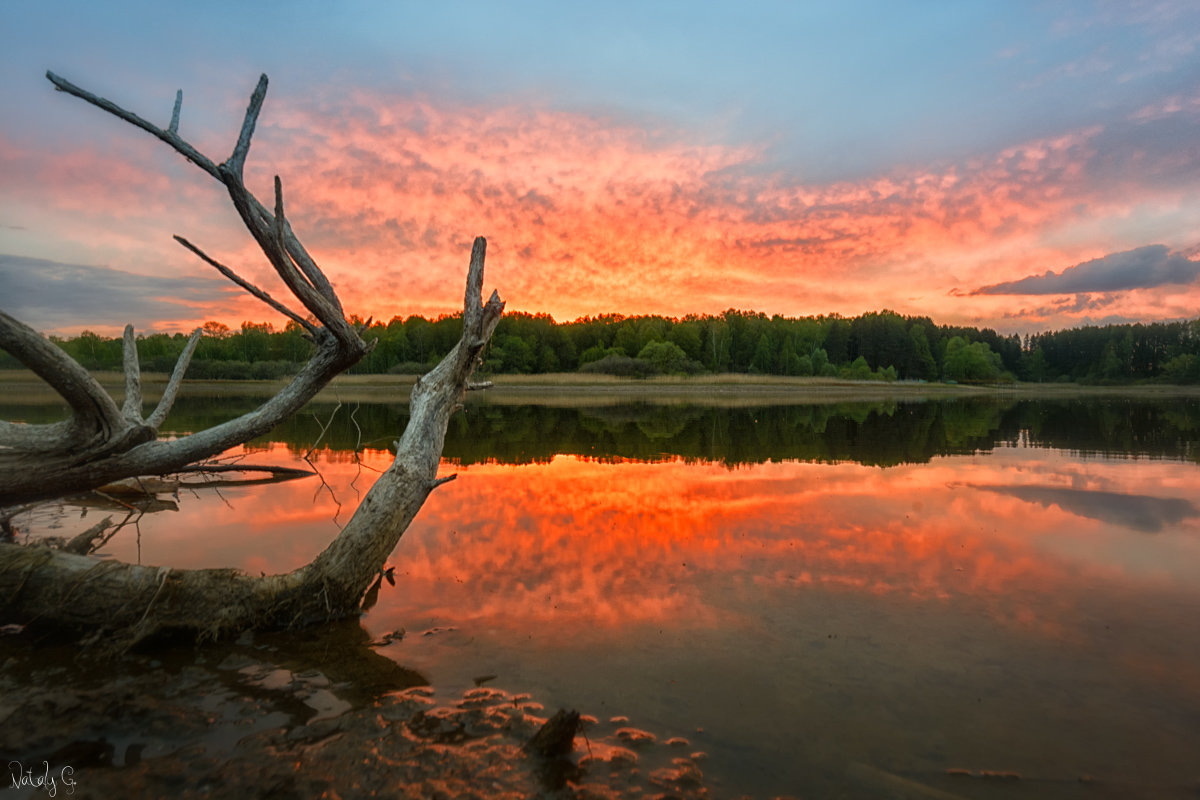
[[1036, 174]]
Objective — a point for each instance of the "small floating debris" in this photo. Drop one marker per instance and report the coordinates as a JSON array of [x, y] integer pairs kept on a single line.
[[393, 636], [635, 737], [683, 774], [615, 758], [999, 775], [482, 679], [988, 774], [433, 631], [481, 697]]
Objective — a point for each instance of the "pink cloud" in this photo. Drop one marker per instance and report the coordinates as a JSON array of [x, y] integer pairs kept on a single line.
[[585, 215]]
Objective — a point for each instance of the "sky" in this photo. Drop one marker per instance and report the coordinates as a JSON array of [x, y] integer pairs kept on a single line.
[[1024, 166]]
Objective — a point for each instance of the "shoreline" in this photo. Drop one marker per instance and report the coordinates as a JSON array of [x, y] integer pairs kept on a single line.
[[22, 386]]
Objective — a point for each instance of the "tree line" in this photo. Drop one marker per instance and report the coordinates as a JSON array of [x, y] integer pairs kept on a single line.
[[880, 345]]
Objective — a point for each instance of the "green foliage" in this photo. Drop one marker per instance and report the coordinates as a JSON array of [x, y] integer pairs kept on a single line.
[[878, 345], [668, 358], [597, 352], [510, 353], [858, 370], [970, 363], [622, 366], [1183, 368]]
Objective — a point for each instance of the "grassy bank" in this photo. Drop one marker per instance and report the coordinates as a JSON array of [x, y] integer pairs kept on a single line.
[[20, 386]]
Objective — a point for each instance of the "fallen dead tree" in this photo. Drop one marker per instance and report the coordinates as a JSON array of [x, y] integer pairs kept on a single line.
[[102, 443]]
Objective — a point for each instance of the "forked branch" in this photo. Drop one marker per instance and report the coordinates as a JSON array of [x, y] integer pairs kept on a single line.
[[134, 601], [102, 441]]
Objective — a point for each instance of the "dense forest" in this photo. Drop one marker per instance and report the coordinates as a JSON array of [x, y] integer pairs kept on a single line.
[[879, 345]]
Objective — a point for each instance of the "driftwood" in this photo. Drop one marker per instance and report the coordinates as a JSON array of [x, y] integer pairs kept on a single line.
[[103, 443]]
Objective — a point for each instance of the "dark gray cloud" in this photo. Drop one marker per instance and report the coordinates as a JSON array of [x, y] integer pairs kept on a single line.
[[1143, 268], [1137, 511], [52, 296]]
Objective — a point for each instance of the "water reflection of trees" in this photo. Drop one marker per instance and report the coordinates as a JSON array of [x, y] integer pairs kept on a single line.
[[882, 433], [877, 434]]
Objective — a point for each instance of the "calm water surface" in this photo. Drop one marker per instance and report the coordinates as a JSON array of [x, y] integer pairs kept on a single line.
[[806, 594]]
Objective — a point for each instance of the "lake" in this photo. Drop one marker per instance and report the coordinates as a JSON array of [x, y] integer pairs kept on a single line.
[[975, 598]]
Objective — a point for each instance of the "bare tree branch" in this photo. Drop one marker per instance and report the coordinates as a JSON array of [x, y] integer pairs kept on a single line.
[[169, 136], [96, 420], [60, 588], [132, 407], [102, 442], [249, 287], [238, 160], [159, 415], [174, 126]]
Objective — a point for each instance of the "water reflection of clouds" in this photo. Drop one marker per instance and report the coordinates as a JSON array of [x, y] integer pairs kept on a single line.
[[585, 546], [1002, 604], [1140, 512], [607, 543]]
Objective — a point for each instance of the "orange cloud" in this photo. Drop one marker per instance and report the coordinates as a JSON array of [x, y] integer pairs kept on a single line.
[[586, 215]]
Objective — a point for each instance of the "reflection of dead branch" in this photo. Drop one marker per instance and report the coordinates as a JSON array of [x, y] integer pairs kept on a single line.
[[135, 497], [372, 595], [151, 486], [95, 537], [274, 475], [228, 504], [332, 495], [283, 473], [121, 503], [82, 544], [317, 470], [357, 429], [223, 460], [134, 487], [324, 428], [357, 453]]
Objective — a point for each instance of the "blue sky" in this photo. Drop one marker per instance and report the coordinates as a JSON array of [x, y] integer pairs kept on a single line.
[[817, 125]]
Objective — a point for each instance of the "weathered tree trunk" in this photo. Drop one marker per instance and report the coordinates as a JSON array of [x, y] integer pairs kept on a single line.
[[131, 602], [101, 443]]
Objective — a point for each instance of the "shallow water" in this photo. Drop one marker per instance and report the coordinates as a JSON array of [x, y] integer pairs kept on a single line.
[[856, 599]]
